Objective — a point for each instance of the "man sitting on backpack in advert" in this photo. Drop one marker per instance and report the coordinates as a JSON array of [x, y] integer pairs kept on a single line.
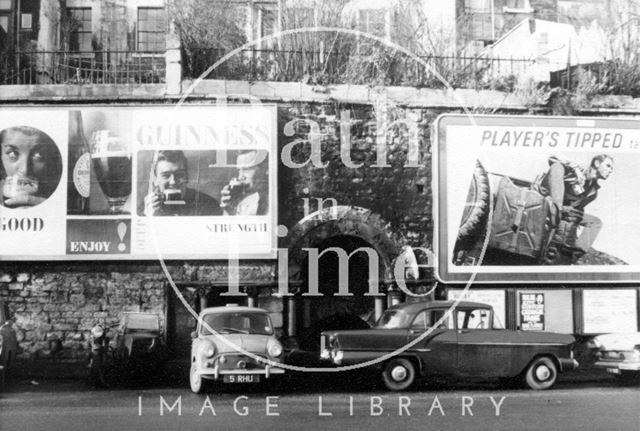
[[571, 188]]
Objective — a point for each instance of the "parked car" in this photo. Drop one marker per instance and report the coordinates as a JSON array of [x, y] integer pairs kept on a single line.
[[221, 333], [8, 343], [467, 343], [139, 346], [618, 354]]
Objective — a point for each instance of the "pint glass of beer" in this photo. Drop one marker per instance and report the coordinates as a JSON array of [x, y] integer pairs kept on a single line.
[[111, 157]]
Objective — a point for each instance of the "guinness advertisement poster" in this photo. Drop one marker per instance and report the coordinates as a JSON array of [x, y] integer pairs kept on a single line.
[[536, 199], [136, 182]]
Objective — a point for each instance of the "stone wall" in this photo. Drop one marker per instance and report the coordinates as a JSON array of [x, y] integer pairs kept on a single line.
[[56, 304], [399, 193]]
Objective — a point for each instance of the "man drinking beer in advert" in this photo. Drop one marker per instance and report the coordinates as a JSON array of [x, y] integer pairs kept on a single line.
[[168, 192], [247, 193]]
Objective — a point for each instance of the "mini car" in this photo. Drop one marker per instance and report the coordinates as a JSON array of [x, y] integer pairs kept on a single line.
[[233, 344], [465, 343], [618, 354], [8, 343]]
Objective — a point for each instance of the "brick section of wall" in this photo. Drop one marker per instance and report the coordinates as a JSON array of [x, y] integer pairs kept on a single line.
[[55, 308], [56, 305], [400, 194]]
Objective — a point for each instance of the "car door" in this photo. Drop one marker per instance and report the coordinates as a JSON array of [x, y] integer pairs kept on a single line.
[[482, 350], [438, 350]]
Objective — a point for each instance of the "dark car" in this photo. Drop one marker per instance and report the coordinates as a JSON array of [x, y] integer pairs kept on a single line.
[[8, 343], [139, 348], [425, 340]]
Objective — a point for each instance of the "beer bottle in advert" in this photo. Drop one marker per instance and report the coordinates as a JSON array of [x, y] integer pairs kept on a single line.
[[79, 178]]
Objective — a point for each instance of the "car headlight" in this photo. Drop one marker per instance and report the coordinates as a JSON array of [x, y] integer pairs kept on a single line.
[[274, 349], [325, 354], [1, 342], [97, 331], [635, 356], [207, 349]]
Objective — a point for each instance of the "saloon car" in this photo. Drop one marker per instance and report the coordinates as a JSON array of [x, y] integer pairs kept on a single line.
[[422, 339], [8, 343], [618, 354], [233, 344]]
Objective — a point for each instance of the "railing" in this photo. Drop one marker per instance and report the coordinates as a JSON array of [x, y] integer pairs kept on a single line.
[[86, 67], [360, 67], [381, 67]]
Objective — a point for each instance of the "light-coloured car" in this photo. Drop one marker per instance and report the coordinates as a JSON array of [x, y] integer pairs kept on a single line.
[[618, 353], [233, 344]]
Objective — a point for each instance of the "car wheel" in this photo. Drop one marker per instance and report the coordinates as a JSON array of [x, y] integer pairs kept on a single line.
[[541, 374], [399, 374], [196, 381], [477, 204]]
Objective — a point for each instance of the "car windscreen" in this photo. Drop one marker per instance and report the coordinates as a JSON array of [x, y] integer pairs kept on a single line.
[[237, 323], [394, 319], [141, 322]]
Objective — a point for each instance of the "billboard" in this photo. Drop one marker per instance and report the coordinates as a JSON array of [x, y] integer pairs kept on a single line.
[[138, 182], [528, 199]]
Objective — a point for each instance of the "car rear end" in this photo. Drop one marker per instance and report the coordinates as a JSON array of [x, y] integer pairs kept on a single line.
[[618, 354]]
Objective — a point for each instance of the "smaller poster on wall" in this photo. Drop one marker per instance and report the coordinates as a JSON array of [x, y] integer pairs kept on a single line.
[[532, 311], [609, 310]]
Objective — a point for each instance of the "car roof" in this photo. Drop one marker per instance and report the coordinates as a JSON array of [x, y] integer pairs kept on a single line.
[[413, 307], [232, 309]]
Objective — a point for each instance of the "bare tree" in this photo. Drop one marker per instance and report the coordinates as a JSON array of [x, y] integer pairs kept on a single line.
[[206, 29]]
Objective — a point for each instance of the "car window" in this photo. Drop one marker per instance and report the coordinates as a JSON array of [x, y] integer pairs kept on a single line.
[[436, 315], [473, 318], [421, 322], [394, 319], [427, 318], [242, 323]]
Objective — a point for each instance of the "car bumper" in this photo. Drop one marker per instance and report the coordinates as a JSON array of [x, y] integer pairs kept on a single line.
[[622, 366], [216, 372], [568, 364]]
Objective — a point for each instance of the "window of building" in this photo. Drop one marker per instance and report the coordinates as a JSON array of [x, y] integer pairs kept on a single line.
[[4, 23], [517, 6], [299, 17], [479, 5], [26, 21], [152, 29], [267, 22], [5, 12], [80, 36]]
